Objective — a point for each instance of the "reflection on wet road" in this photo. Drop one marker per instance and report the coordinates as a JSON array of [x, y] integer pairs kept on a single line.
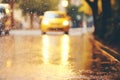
[[54, 57]]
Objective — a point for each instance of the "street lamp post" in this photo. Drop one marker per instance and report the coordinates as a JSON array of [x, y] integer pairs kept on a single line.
[[12, 13]]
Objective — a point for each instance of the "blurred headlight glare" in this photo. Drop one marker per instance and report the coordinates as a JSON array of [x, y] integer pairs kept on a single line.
[[65, 23], [45, 22]]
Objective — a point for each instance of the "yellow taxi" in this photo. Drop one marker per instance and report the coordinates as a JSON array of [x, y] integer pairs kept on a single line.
[[55, 21]]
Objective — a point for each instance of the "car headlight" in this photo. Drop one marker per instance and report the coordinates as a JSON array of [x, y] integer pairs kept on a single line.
[[65, 23], [45, 22]]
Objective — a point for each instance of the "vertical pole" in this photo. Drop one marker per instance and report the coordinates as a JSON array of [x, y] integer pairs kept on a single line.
[[12, 13], [69, 2], [84, 24]]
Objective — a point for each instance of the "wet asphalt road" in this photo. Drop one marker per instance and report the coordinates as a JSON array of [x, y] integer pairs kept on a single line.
[[55, 57]]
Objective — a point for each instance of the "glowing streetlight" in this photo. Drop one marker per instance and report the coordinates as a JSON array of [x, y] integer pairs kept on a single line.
[[64, 3]]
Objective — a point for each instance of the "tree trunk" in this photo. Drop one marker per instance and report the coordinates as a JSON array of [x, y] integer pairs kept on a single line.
[[94, 7], [31, 20], [106, 14]]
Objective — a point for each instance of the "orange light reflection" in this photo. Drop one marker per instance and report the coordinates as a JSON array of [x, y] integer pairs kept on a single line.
[[45, 47], [8, 63], [64, 49]]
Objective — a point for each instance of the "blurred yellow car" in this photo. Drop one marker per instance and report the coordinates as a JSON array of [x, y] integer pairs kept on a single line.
[[55, 21]]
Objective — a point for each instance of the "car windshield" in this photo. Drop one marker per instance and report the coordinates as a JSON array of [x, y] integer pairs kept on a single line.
[[54, 15]]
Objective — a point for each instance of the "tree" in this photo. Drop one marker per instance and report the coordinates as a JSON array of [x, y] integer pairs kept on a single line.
[[100, 20], [37, 6], [5, 1], [76, 16], [8, 1], [106, 15], [113, 26], [107, 26], [94, 7]]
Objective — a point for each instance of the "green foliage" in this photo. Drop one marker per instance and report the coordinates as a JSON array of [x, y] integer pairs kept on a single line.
[[72, 11], [8, 1], [76, 16], [5, 1], [39, 6]]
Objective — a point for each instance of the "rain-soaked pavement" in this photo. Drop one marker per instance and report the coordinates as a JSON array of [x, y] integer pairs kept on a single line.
[[55, 57]]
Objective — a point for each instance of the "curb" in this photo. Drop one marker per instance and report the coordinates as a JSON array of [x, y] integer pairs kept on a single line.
[[110, 51]]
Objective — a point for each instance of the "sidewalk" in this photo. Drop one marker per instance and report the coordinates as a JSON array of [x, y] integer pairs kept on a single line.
[[109, 50]]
